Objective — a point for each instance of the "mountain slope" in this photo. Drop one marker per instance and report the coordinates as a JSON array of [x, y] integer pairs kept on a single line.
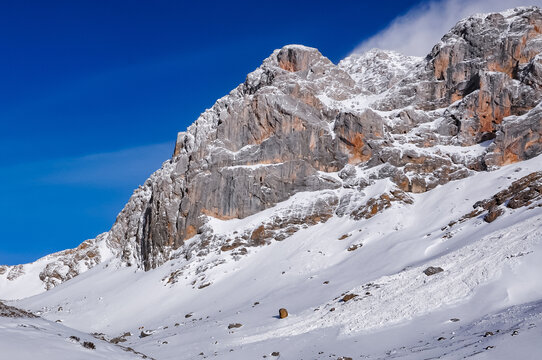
[[488, 268], [26, 336], [411, 186]]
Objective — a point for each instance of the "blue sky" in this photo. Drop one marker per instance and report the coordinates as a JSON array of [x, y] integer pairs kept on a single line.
[[93, 93]]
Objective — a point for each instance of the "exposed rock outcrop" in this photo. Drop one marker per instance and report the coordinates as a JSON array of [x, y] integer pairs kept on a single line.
[[299, 116], [299, 123], [13, 312]]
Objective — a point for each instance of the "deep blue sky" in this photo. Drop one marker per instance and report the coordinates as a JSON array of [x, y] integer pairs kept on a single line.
[[93, 93]]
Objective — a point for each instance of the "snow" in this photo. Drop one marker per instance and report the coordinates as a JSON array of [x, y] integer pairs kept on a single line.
[[31, 339], [377, 66], [490, 282], [252, 166]]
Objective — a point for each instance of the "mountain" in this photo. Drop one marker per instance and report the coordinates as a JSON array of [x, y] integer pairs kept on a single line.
[[391, 203]]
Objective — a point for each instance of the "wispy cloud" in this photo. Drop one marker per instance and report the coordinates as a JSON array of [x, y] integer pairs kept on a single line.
[[117, 169], [417, 31], [111, 169]]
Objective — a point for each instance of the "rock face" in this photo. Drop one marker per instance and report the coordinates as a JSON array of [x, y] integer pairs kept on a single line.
[[299, 116], [300, 123]]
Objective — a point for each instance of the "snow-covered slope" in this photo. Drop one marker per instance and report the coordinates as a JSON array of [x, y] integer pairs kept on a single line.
[[490, 281], [29, 279], [391, 204], [27, 337]]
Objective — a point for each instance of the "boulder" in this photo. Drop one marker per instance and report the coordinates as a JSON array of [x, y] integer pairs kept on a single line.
[[432, 270]]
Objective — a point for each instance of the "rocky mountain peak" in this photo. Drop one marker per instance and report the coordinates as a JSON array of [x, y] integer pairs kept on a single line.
[[378, 123], [298, 118], [298, 58]]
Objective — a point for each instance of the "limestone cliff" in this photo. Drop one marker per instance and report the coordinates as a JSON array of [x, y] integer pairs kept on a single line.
[[300, 123]]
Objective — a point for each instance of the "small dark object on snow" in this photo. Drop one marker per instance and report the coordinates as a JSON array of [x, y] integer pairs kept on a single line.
[[431, 270], [145, 334], [283, 313], [348, 297], [515, 332], [275, 353], [454, 319], [234, 326], [89, 345], [332, 309], [354, 247], [117, 340], [441, 338], [188, 315], [76, 338], [488, 333]]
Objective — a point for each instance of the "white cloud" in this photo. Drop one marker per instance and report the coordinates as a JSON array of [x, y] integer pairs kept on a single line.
[[417, 31], [125, 169]]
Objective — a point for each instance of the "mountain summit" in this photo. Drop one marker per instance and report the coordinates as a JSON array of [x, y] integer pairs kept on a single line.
[[382, 190]]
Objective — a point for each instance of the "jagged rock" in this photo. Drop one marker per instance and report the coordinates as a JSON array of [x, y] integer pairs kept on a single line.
[[375, 205], [378, 70], [521, 193], [117, 340], [13, 312], [89, 345], [493, 213], [15, 272], [519, 138], [432, 270]]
